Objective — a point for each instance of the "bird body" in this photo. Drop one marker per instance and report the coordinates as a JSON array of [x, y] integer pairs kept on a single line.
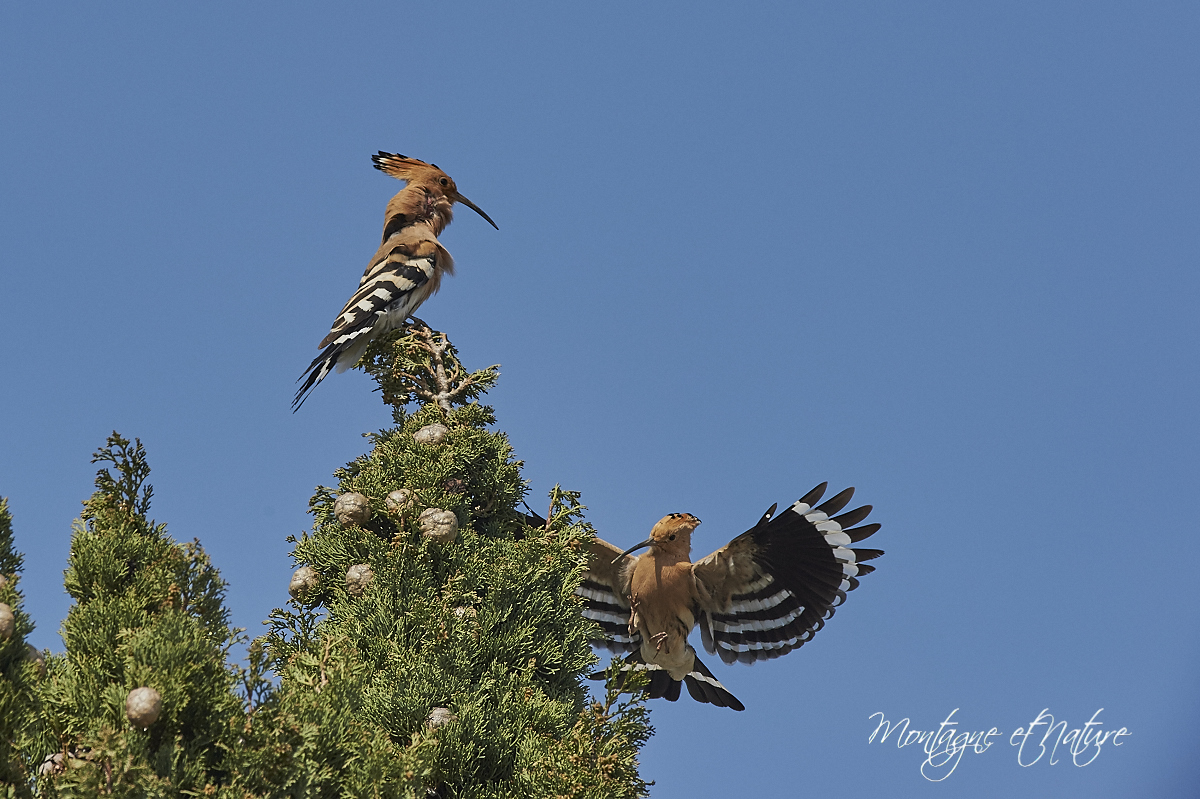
[[662, 592], [762, 595], [404, 272]]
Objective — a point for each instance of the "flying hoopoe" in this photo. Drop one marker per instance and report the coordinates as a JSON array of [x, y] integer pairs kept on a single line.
[[765, 593], [404, 272]]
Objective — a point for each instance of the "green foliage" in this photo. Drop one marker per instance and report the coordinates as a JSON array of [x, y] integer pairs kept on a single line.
[[486, 626], [147, 612], [20, 667], [416, 364], [457, 671], [597, 759]]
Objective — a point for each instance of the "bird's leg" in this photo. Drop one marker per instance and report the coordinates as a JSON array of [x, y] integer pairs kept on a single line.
[[659, 639]]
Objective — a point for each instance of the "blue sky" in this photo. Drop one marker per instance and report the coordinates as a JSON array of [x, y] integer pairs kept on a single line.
[[943, 252]]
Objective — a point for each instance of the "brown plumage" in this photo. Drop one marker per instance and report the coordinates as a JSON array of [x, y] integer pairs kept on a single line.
[[765, 593], [404, 272]]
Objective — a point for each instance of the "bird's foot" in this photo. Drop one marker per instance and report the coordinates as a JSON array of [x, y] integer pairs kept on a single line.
[[659, 639]]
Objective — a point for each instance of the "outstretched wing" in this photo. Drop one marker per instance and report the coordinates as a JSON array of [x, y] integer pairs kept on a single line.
[[772, 588], [403, 273], [605, 592]]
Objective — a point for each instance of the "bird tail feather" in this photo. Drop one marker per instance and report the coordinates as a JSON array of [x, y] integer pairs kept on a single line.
[[339, 355], [701, 683], [704, 687]]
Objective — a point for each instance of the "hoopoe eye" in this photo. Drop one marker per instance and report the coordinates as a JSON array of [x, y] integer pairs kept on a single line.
[[671, 537], [444, 182]]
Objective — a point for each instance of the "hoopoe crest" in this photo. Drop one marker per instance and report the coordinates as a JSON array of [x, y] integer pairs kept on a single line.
[[760, 596], [404, 272], [428, 198]]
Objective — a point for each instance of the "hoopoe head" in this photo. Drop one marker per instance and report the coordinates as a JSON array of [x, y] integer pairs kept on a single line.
[[671, 535], [430, 194]]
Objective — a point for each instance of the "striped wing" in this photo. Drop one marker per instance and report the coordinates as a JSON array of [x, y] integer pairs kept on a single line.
[[403, 273], [400, 277], [605, 592], [772, 588]]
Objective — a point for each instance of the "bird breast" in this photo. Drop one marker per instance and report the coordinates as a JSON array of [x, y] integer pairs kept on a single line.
[[664, 594]]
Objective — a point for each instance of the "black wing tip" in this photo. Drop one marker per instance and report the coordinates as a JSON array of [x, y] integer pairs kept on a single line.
[[866, 531], [853, 517], [836, 502], [532, 519], [814, 496]]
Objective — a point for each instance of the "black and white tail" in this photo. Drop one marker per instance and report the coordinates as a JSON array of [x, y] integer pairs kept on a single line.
[[701, 683]]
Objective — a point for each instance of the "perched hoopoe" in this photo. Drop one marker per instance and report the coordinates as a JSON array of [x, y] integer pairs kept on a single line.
[[760, 596], [403, 273]]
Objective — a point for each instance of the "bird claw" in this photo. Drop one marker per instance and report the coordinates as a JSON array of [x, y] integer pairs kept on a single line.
[[659, 639]]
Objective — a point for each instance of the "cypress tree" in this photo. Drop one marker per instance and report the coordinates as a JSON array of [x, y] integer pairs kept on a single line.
[[142, 704], [21, 666], [450, 629], [433, 645]]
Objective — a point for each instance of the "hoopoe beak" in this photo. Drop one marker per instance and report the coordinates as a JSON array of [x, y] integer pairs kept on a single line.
[[633, 548], [461, 199]]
